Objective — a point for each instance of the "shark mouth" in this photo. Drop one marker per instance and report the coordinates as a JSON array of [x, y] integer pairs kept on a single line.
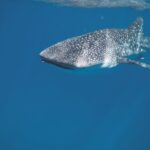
[[54, 62]]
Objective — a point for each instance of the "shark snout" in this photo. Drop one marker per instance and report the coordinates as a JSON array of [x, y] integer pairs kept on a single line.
[[50, 55], [44, 55]]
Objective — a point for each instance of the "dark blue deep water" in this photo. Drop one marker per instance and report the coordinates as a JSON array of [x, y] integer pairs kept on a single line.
[[43, 107]]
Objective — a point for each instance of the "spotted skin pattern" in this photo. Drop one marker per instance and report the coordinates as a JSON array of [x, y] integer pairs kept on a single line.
[[107, 48]]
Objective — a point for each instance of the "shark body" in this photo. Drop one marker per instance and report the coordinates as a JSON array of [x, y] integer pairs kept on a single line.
[[107, 48]]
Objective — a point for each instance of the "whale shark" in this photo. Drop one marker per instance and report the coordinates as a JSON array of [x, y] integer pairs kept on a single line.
[[139, 4], [105, 47]]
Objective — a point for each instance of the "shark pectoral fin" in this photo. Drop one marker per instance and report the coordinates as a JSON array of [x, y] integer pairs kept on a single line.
[[130, 61]]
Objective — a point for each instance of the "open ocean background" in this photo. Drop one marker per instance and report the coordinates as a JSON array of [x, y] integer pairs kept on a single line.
[[43, 107]]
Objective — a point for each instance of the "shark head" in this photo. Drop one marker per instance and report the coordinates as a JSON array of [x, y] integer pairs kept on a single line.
[[58, 55]]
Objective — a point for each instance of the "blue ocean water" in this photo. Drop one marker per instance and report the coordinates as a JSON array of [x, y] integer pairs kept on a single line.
[[46, 107]]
